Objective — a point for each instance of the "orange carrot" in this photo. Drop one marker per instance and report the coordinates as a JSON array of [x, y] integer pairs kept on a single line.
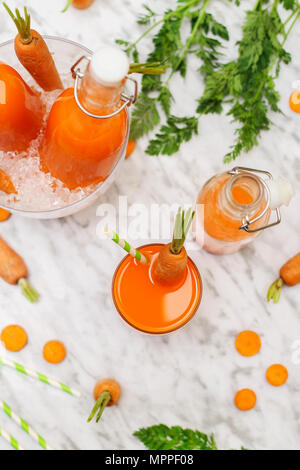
[[14, 338], [248, 343], [4, 214], [130, 148], [107, 392], [277, 375], [289, 275], [245, 399], [79, 4], [33, 53], [54, 352], [172, 259], [13, 270], [295, 101]]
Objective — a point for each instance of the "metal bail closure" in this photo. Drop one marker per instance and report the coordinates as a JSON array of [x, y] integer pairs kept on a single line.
[[246, 222], [78, 75]]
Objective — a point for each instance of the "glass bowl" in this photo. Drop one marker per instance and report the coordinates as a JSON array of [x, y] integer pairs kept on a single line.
[[65, 54]]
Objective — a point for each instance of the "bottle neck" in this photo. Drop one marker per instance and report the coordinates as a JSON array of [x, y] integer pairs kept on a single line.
[[100, 98], [242, 195]]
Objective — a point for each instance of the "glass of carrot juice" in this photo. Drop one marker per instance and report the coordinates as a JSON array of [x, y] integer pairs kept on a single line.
[[151, 306]]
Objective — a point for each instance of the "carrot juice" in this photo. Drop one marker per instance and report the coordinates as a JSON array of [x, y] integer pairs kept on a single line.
[[83, 144], [148, 305], [21, 111], [226, 201]]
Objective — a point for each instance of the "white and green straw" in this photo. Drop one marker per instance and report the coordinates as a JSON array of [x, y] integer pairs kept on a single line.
[[126, 246], [25, 426], [9, 438], [41, 377]]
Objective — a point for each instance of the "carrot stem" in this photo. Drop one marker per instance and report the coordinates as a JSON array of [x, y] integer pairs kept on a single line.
[[100, 404], [69, 2], [275, 291], [22, 24], [183, 222], [27, 290]]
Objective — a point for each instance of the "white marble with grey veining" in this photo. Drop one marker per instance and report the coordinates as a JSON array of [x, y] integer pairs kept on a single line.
[[188, 378]]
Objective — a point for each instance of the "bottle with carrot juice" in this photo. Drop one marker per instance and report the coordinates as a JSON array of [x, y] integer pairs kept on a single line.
[[235, 206], [87, 128], [162, 293], [21, 111]]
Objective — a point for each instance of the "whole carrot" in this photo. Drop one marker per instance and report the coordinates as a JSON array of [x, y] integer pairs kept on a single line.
[[79, 4], [172, 259], [107, 392], [13, 270], [33, 53], [289, 275]]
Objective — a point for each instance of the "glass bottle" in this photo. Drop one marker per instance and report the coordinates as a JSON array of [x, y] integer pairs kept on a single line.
[[235, 206], [87, 128]]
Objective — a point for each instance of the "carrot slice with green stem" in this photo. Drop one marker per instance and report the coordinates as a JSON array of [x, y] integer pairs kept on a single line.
[[107, 392]]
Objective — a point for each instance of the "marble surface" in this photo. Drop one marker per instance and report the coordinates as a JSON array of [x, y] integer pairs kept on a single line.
[[189, 377]]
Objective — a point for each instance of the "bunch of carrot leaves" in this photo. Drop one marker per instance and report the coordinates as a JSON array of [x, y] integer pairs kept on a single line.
[[247, 83]]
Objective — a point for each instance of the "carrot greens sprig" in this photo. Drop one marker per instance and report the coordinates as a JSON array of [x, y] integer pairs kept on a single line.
[[22, 24], [182, 225]]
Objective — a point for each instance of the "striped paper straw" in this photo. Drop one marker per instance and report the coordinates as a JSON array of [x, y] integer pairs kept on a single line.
[[9, 438], [41, 377], [126, 246], [24, 425]]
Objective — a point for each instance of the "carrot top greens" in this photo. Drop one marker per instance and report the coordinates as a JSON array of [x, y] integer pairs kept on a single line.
[[182, 225], [22, 24]]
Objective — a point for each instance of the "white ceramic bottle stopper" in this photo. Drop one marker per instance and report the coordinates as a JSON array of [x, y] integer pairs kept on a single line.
[[109, 65], [282, 191]]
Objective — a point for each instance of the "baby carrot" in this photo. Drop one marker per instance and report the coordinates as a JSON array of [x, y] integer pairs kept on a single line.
[[289, 275], [245, 399], [172, 259], [54, 352], [79, 4], [277, 375], [107, 392], [13, 270], [14, 338], [248, 343], [130, 148], [33, 53], [6, 184], [4, 214]]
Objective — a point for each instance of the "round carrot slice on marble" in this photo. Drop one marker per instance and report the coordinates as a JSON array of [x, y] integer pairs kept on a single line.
[[248, 343], [245, 399], [54, 352], [14, 338], [277, 375]]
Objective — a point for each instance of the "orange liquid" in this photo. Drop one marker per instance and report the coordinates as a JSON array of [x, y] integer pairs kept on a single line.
[[80, 150], [216, 223], [21, 111], [152, 307]]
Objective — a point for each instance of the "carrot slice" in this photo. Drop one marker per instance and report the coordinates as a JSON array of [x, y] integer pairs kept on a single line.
[[54, 352], [4, 214], [277, 375], [248, 343], [130, 148], [14, 338], [245, 399], [6, 184]]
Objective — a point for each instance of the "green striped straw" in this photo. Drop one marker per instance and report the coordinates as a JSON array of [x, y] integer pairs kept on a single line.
[[25, 426], [41, 377], [9, 438], [126, 246]]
